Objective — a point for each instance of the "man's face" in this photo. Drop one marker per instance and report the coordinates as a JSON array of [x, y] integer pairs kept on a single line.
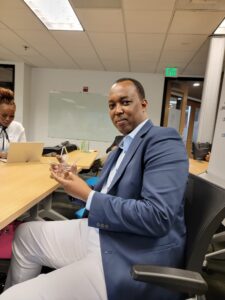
[[127, 110], [7, 114]]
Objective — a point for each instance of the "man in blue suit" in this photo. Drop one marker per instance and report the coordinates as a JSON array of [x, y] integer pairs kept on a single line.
[[135, 216]]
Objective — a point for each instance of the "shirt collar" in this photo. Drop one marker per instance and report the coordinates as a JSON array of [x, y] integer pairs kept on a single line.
[[126, 141]]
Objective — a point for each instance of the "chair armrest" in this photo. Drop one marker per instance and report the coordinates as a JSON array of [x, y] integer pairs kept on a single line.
[[180, 280], [219, 237], [216, 255]]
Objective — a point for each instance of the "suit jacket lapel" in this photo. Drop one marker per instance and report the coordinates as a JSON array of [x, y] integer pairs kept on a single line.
[[107, 168], [115, 154], [131, 152]]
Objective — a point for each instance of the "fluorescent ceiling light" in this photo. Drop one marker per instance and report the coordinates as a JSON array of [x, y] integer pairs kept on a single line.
[[220, 29], [196, 84], [55, 14]]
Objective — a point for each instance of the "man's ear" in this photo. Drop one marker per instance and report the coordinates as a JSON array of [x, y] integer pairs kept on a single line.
[[144, 103]]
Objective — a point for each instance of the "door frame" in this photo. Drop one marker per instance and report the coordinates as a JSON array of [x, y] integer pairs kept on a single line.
[[166, 100]]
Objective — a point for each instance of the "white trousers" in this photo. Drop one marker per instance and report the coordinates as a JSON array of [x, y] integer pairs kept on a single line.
[[71, 247]]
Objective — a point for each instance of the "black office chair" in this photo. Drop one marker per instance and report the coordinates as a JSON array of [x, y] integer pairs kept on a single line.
[[200, 150], [205, 210], [214, 266]]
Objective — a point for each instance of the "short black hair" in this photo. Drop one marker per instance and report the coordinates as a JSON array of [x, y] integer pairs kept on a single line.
[[138, 85]]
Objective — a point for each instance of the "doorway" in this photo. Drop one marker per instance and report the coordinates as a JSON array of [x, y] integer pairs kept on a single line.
[[181, 106], [7, 76]]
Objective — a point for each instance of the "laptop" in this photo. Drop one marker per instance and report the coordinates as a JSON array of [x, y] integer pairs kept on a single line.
[[24, 152]]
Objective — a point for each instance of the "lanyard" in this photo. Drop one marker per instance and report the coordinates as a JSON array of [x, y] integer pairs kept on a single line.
[[4, 136]]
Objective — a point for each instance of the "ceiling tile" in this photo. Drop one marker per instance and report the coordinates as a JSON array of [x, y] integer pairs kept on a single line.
[[147, 41], [12, 4], [212, 5], [38, 61], [196, 22], [195, 70], [20, 19], [106, 44], [96, 3], [184, 42], [147, 46], [78, 46], [176, 56], [101, 20], [90, 64], [201, 55], [116, 65], [6, 54], [46, 45], [147, 21], [148, 5], [12, 41], [2, 26], [39, 39], [142, 65]]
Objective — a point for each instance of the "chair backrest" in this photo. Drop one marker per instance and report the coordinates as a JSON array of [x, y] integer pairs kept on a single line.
[[204, 212], [116, 142], [200, 150]]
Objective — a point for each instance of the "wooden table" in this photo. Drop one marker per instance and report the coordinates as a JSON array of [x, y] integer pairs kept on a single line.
[[23, 185], [197, 167], [83, 160]]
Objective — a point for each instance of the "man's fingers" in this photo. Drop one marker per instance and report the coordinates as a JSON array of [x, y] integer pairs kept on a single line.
[[73, 168], [53, 166], [60, 179]]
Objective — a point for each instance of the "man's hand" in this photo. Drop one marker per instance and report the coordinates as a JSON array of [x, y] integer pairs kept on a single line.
[[63, 166], [66, 175]]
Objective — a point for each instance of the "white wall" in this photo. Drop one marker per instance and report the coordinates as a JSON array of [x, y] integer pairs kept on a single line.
[[26, 98], [19, 91], [45, 80]]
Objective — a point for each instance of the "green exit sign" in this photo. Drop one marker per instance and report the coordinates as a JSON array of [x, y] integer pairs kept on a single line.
[[171, 72]]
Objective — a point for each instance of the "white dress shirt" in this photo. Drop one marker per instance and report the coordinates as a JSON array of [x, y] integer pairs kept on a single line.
[[15, 132]]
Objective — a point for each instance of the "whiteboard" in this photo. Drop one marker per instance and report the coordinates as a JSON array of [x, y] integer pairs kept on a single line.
[[80, 116]]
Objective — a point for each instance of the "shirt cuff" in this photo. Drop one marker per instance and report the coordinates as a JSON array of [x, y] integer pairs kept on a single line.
[[89, 200]]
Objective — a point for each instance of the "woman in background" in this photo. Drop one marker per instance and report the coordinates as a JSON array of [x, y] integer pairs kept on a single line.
[[10, 130]]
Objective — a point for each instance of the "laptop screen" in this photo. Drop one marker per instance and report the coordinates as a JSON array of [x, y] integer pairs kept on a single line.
[[24, 152]]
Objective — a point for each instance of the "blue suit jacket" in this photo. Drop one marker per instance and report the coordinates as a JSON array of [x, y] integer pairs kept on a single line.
[[141, 218]]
